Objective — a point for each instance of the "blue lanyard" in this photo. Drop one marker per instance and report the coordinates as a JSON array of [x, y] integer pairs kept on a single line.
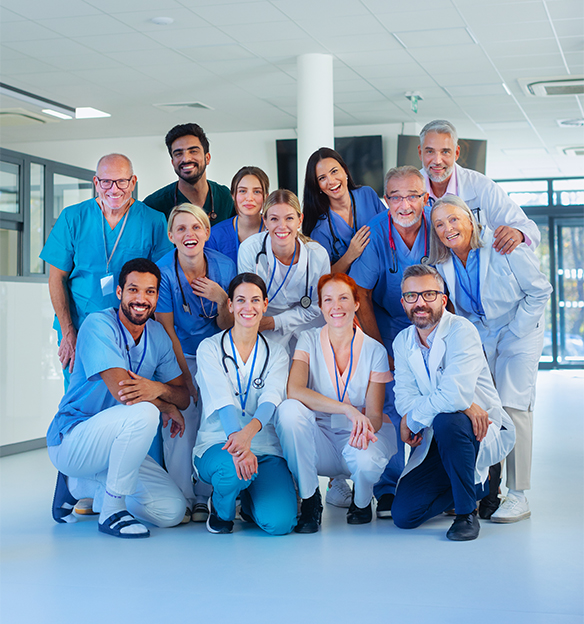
[[237, 243], [243, 398], [285, 276], [342, 398], [128, 348], [475, 302]]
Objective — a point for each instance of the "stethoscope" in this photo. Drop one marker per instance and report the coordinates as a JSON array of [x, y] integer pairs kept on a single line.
[[212, 214], [394, 263], [306, 300], [258, 382], [336, 240], [185, 304], [128, 346]]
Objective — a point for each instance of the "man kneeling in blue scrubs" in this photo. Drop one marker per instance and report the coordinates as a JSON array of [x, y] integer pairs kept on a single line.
[[125, 373], [452, 416]]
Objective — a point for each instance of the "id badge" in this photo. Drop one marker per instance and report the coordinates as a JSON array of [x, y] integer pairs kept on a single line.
[[340, 421], [107, 285]]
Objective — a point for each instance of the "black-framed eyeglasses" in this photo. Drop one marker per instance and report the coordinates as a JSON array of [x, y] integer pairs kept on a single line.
[[396, 200], [427, 295], [122, 183]]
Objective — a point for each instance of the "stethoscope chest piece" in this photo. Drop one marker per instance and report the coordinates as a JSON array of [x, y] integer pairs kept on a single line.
[[425, 260], [305, 301], [258, 383]]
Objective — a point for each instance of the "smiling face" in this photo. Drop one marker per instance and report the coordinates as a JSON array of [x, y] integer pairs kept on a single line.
[[453, 227], [249, 196], [188, 234], [282, 222], [424, 314], [189, 159], [248, 305], [138, 297], [406, 213], [331, 178], [114, 168], [338, 304], [438, 155]]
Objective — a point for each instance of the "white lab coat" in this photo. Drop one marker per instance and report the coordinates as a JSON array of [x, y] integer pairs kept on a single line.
[[290, 317], [514, 293], [459, 376], [496, 207], [218, 390]]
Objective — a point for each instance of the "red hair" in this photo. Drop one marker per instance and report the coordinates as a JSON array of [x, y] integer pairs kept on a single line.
[[337, 277]]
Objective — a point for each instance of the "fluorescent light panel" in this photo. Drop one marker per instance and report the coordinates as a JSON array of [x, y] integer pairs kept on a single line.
[[87, 112]]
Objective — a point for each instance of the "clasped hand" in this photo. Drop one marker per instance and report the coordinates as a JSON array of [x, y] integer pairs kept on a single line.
[[138, 389], [362, 432], [245, 462]]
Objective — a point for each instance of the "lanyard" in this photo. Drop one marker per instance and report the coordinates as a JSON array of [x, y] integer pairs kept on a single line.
[[108, 260], [342, 398], [475, 302], [128, 348], [243, 398], [285, 276], [237, 243]]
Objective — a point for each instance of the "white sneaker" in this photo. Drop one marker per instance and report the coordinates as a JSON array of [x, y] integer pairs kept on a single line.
[[339, 493], [511, 510]]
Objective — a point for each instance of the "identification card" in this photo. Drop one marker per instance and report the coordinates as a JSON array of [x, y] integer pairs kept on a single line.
[[107, 285], [340, 421]]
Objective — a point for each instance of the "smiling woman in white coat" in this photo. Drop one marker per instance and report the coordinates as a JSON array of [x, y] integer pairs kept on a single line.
[[504, 296]]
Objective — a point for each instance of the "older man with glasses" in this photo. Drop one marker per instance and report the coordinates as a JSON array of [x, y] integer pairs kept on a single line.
[[89, 244]]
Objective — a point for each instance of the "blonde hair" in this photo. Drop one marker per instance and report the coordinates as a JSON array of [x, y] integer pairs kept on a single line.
[[439, 253], [197, 212], [284, 196]]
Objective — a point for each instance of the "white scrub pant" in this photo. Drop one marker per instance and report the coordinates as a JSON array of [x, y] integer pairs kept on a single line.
[[312, 449], [178, 452], [519, 459], [109, 451]]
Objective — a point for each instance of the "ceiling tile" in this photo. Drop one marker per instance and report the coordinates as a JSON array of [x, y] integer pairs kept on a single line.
[[334, 26], [89, 60], [508, 13], [398, 57], [23, 66], [396, 6], [8, 16], [113, 43], [321, 10], [233, 67], [144, 58], [449, 56], [248, 13], [510, 32], [405, 21], [141, 20], [565, 9], [48, 47], [116, 6], [469, 78], [430, 38], [476, 89], [573, 44], [81, 26], [291, 48], [25, 31], [190, 37], [269, 31], [569, 27], [382, 43], [8, 54], [373, 72], [217, 53], [41, 9], [521, 48], [538, 63]]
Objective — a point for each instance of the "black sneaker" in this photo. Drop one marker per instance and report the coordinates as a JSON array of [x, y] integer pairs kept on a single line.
[[310, 514], [490, 503], [384, 503], [215, 524], [466, 527], [359, 515]]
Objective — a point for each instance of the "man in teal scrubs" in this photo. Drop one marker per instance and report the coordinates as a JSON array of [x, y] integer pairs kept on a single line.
[[188, 147], [89, 244]]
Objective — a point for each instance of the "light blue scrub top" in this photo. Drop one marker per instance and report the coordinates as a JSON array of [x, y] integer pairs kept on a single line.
[[225, 240], [101, 346], [367, 205], [467, 289], [76, 245], [372, 272], [192, 328]]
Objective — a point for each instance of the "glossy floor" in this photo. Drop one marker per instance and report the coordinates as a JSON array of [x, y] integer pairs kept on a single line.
[[529, 572]]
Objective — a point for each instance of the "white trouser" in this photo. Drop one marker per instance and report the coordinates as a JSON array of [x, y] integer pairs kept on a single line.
[[178, 452], [519, 459], [109, 451], [312, 449]]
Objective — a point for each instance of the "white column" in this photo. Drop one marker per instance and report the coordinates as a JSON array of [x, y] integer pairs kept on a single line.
[[315, 108]]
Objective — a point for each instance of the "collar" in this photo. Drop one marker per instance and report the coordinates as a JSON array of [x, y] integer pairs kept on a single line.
[[451, 189]]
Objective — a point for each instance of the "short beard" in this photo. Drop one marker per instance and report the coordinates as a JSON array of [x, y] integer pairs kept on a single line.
[[397, 220], [441, 178], [431, 321], [127, 312], [193, 178]]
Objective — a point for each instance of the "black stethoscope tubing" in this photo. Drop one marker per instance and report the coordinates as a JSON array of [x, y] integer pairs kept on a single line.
[[212, 214], [185, 304], [258, 382], [394, 263], [335, 238]]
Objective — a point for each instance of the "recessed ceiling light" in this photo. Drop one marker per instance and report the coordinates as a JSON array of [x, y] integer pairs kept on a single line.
[[87, 112], [162, 21], [57, 114], [570, 123]]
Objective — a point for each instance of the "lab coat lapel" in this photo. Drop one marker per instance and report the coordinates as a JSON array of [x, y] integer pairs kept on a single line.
[[298, 281], [418, 366]]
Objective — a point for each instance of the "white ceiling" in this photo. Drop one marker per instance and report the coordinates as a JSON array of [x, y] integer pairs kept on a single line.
[[239, 57]]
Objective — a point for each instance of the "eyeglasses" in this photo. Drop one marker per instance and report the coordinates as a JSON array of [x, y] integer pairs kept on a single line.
[[122, 183], [427, 295], [396, 200]]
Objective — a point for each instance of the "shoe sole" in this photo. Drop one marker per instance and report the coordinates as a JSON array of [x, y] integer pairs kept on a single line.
[[343, 505], [510, 520], [200, 516], [383, 515]]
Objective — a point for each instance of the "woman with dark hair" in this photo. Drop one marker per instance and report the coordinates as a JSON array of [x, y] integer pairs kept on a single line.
[[333, 424], [249, 188], [242, 382], [336, 210]]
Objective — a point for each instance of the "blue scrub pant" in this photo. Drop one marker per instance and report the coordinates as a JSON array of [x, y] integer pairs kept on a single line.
[[269, 497], [446, 477], [388, 481]]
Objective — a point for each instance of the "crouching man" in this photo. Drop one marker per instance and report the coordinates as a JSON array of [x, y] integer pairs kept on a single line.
[[452, 416], [125, 373]]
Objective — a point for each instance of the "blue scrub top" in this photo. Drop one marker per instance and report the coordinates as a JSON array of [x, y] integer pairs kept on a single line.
[[224, 239], [467, 288], [372, 272], [101, 346], [192, 328], [367, 205], [76, 245]]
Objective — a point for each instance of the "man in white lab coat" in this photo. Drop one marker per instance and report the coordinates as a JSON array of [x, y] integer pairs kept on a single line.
[[452, 416], [439, 151]]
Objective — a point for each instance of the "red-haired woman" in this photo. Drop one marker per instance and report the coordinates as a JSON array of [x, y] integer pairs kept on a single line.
[[331, 424]]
